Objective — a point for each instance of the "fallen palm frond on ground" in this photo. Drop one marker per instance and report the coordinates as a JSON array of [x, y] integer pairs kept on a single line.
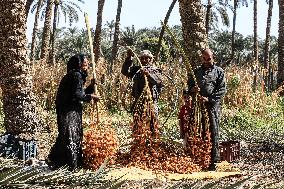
[[15, 175]]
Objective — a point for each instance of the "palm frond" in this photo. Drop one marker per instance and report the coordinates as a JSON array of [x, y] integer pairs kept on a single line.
[[224, 16], [238, 184], [26, 176]]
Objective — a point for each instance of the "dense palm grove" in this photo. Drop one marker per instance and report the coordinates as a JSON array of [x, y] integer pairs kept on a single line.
[[252, 111]]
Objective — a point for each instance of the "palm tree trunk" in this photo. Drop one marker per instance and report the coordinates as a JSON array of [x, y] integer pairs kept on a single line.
[[28, 6], [115, 35], [19, 104], [267, 44], [280, 74], [208, 14], [255, 45], [255, 41], [163, 29], [35, 29], [46, 30], [98, 31], [52, 39], [193, 28], [234, 29]]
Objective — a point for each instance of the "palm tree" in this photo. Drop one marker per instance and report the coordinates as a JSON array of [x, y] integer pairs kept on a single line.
[[235, 6], [66, 7], [15, 70], [35, 29], [215, 12], [280, 75], [46, 30], [234, 29], [129, 36], [28, 6], [207, 17], [267, 44], [255, 41], [194, 33], [115, 35], [111, 26], [163, 29], [97, 37]]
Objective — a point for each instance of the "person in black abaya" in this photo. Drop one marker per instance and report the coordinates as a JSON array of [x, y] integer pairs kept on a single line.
[[67, 150]]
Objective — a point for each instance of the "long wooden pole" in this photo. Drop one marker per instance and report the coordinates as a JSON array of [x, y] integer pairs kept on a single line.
[[93, 63]]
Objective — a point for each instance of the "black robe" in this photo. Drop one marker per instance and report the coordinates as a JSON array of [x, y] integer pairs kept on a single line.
[[67, 149]]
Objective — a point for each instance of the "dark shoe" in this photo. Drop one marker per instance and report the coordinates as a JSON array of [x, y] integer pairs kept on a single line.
[[212, 167]]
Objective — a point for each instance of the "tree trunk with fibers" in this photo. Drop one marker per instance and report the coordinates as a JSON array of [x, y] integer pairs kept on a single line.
[[267, 45], [35, 29], [193, 28], [52, 39], [163, 29], [280, 75], [234, 29], [46, 31], [28, 6], [98, 31], [255, 46], [255, 41], [115, 35], [208, 16], [19, 104]]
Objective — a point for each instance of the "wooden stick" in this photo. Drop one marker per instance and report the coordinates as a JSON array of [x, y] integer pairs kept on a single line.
[[93, 64]]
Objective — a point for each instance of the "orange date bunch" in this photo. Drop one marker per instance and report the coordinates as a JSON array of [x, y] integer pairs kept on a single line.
[[99, 144], [198, 136], [147, 151]]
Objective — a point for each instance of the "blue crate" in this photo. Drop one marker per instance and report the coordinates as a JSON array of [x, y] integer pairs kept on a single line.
[[9, 146], [13, 147], [27, 150]]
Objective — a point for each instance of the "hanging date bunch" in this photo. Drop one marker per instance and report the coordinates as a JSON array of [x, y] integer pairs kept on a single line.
[[147, 151], [198, 139], [99, 144]]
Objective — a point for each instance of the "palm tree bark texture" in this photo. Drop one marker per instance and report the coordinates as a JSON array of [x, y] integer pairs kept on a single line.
[[35, 29], [193, 28], [46, 30], [280, 75], [98, 31], [15, 70], [115, 35]]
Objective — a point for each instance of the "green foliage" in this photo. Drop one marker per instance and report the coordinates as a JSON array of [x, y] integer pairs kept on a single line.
[[233, 83], [249, 125], [152, 45]]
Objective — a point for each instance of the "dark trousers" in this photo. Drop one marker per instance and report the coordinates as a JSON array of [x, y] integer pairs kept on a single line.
[[213, 113]]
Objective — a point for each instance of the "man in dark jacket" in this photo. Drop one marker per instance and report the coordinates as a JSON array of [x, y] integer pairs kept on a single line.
[[136, 73], [211, 86], [67, 149]]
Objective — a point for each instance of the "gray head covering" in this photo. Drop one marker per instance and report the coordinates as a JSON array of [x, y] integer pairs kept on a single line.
[[146, 53]]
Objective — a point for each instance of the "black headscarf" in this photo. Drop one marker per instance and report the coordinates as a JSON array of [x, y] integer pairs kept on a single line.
[[74, 63]]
